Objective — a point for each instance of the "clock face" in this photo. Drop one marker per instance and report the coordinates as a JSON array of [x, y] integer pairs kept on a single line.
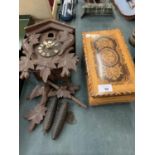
[[49, 48]]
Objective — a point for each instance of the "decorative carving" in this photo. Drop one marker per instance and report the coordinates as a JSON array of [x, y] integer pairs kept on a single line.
[[24, 65], [36, 116], [69, 96], [110, 67], [33, 39], [68, 62], [49, 54], [108, 60]]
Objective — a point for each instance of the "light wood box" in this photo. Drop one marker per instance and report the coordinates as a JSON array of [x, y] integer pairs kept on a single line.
[[110, 69]]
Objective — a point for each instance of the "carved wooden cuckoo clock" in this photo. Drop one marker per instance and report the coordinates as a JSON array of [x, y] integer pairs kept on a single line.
[[49, 53]]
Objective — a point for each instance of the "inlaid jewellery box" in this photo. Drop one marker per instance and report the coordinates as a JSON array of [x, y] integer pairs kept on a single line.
[[110, 68]]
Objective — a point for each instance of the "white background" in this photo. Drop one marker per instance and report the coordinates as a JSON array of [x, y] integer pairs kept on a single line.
[[145, 77]]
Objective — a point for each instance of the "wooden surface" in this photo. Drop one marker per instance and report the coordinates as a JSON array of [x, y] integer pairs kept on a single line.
[[102, 130], [117, 70]]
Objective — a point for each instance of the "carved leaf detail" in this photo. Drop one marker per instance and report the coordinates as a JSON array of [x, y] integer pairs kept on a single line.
[[63, 92], [34, 39], [45, 66], [25, 63], [65, 71], [37, 91], [40, 90], [44, 72], [24, 75], [67, 62], [37, 114], [28, 49]]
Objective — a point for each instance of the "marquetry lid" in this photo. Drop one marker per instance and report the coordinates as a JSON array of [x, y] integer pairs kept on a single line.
[[109, 65]]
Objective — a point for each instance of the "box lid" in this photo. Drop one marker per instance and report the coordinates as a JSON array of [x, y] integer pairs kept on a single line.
[[109, 64]]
